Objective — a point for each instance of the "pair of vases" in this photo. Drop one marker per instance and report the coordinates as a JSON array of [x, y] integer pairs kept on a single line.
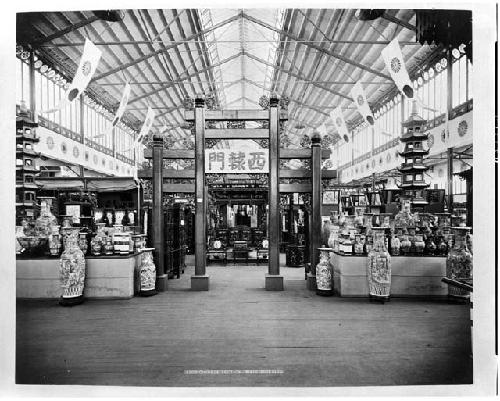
[[378, 269]]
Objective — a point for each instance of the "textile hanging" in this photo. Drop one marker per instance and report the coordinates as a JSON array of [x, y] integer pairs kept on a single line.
[[123, 104], [339, 122], [148, 122], [359, 96], [86, 69]]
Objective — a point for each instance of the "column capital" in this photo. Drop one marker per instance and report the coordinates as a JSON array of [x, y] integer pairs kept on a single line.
[[316, 139], [199, 101], [273, 100], [158, 140]]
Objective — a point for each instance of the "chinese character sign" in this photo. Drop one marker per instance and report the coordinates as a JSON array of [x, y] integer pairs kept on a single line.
[[236, 161]]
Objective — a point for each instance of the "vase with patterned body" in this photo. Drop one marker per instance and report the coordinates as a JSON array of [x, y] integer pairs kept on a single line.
[[19, 234], [395, 245], [459, 263], [333, 239], [55, 241], [324, 273], [379, 267], [82, 242], [99, 240], [46, 220], [108, 246], [419, 244], [147, 273], [72, 271]]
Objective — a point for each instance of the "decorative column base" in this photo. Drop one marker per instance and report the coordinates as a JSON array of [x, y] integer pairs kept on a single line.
[[199, 283], [311, 282], [161, 283], [274, 282], [71, 301]]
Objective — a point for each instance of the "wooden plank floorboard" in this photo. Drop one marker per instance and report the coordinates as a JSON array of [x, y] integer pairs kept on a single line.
[[315, 341]]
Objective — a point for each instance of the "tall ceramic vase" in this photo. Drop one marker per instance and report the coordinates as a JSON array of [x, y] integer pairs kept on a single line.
[[379, 267], [147, 273], [459, 263], [72, 271], [324, 273]]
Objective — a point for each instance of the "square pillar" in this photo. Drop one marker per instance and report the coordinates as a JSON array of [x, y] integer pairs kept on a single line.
[[157, 215], [199, 282], [274, 282], [315, 226]]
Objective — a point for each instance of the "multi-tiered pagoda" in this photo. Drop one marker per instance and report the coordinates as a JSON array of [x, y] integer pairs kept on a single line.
[[413, 168], [26, 189]]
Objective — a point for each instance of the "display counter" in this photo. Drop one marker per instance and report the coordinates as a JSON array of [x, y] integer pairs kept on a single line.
[[113, 276], [412, 276]]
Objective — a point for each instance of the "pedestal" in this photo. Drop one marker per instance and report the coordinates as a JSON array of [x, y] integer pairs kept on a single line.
[[311, 282], [161, 283], [274, 282], [199, 283], [71, 301]]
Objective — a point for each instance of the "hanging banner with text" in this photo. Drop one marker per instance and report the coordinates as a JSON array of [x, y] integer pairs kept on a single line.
[[236, 161]]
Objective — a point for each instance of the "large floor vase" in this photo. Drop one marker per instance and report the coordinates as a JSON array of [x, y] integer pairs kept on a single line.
[[72, 271], [379, 268], [147, 273], [324, 273]]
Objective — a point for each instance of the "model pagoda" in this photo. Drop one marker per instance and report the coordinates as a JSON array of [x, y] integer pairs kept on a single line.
[[413, 168], [26, 189]]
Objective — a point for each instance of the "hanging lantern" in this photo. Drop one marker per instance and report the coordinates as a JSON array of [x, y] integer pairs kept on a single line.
[[25, 55], [438, 67]]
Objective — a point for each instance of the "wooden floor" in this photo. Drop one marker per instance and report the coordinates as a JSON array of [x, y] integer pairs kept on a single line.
[[183, 338]]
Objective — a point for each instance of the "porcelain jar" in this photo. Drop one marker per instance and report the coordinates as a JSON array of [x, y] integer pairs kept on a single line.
[[324, 273], [147, 272], [459, 262], [72, 270], [379, 267]]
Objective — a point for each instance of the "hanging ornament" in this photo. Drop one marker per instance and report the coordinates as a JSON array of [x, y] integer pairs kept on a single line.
[[359, 96], [393, 58], [339, 122]]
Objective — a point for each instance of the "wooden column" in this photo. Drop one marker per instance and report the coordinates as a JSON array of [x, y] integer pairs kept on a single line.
[[315, 226], [449, 181], [200, 280], [32, 104], [274, 282], [157, 216]]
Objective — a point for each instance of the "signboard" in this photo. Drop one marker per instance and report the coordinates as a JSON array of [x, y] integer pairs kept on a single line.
[[236, 161]]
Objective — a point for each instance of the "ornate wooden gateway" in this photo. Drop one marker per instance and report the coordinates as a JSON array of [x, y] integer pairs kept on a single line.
[[270, 121]]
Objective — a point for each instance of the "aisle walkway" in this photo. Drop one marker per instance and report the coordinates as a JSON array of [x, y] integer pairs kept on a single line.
[[308, 340]]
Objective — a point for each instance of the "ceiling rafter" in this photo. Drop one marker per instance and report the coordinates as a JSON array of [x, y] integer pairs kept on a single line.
[[163, 49], [168, 85], [298, 76], [65, 31], [318, 48]]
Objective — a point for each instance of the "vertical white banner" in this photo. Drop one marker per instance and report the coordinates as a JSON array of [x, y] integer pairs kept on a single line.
[[393, 58], [148, 122], [359, 97], [339, 122], [86, 69], [123, 104]]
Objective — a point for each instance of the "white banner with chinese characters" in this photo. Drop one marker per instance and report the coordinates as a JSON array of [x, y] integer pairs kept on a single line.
[[237, 160]]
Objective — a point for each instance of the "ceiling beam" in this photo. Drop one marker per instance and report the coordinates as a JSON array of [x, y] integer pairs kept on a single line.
[[298, 76], [400, 22], [180, 42], [64, 31], [170, 84], [316, 47], [164, 49]]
